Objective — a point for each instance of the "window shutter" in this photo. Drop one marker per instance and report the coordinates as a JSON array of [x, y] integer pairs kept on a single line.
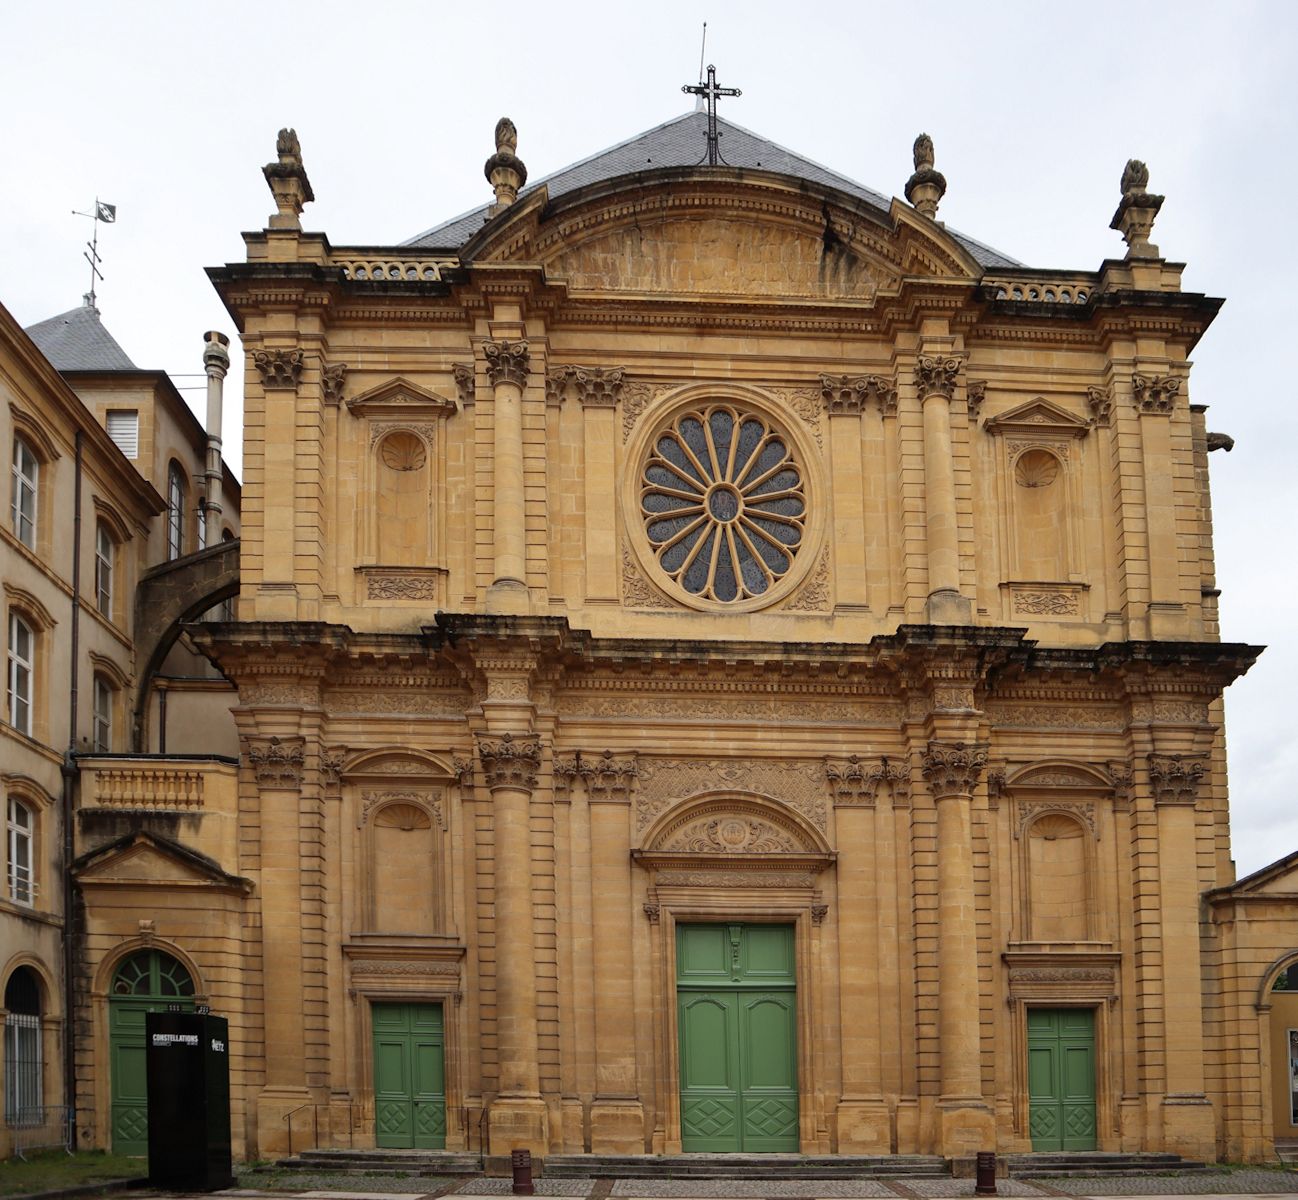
[[124, 429]]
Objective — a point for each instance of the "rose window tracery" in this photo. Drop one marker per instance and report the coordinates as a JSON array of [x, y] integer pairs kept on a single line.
[[723, 502]]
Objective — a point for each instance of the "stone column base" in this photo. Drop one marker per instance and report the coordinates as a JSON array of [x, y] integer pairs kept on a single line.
[[964, 1128], [617, 1127], [948, 608], [1189, 1127], [508, 597], [864, 1127], [518, 1123], [573, 1130]]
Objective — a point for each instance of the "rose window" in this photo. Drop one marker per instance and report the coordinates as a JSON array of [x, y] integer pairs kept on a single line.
[[723, 503]]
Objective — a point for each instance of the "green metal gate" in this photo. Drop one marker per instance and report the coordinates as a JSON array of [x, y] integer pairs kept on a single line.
[[409, 1076], [737, 1018], [1061, 1078], [145, 982]]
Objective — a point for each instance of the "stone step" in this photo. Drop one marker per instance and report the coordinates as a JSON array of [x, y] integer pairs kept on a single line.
[[385, 1162], [744, 1166], [1095, 1162]]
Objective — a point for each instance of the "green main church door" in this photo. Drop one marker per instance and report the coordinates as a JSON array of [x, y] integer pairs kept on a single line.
[[738, 1038], [1061, 1078], [409, 1076]]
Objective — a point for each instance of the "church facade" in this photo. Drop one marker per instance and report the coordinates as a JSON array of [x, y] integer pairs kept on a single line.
[[725, 663]]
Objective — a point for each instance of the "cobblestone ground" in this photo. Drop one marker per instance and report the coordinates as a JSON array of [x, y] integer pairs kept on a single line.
[[415, 1187]]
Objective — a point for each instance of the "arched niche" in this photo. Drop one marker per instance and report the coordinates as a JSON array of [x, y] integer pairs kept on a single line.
[[399, 802], [729, 825], [1056, 825]]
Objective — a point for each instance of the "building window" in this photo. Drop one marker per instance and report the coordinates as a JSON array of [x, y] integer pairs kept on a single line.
[[20, 886], [175, 512], [723, 503], [26, 476], [23, 1066], [105, 554], [103, 717], [22, 655], [124, 429], [202, 524]]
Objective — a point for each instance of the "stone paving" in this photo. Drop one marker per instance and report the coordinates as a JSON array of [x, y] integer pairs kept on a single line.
[[544, 1187], [754, 1189]]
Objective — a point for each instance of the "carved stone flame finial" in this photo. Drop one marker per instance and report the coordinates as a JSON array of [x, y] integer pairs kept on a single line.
[[927, 186], [288, 182], [1136, 211], [505, 170]]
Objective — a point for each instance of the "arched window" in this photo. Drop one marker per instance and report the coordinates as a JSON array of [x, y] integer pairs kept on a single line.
[[26, 475], [152, 973], [20, 683], [20, 837], [23, 1067], [202, 523], [105, 562], [105, 696], [175, 511]]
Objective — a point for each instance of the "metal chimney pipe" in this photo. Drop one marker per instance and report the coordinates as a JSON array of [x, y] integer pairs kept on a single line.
[[216, 362]]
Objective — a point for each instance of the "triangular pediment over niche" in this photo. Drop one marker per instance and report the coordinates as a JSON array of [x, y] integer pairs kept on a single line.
[[398, 396], [1038, 416], [145, 858]]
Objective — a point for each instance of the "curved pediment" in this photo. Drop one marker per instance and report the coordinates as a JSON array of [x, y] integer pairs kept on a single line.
[[708, 233], [399, 761], [730, 825]]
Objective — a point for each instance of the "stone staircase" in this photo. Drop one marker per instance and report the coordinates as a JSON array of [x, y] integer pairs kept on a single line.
[[1054, 1164], [385, 1162], [745, 1166], [1287, 1151]]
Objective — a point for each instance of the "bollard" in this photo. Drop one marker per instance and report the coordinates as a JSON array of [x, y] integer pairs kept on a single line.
[[985, 1183], [521, 1161]]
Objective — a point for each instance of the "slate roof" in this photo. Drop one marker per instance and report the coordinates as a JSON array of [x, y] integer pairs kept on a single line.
[[682, 142], [77, 341]]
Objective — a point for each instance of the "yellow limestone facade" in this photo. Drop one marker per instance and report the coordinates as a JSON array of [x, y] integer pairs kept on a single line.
[[712, 545]]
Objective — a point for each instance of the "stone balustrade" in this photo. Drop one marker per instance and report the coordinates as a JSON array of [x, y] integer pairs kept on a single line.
[[1057, 289], [385, 269], [145, 786]]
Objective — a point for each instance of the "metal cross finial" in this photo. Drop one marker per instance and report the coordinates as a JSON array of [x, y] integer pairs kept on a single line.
[[709, 92]]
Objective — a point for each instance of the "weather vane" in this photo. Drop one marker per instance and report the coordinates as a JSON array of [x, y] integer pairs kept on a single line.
[[709, 92], [106, 213]]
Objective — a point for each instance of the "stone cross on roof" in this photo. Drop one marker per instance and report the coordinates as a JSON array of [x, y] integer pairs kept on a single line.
[[709, 92]]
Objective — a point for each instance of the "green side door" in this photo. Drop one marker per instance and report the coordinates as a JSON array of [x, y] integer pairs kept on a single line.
[[737, 1018], [145, 982], [1061, 1078], [409, 1076]]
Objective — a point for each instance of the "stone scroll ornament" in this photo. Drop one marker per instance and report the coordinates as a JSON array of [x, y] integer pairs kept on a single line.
[[510, 763], [953, 768]]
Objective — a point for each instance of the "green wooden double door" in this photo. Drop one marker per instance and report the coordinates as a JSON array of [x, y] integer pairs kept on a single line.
[[738, 1038], [409, 1076], [1061, 1078]]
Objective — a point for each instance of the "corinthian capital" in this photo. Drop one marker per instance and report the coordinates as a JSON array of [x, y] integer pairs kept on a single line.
[[1155, 393], [1175, 777], [277, 762], [507, 362], [507, 763], [608, 777], [953, 768], [936, 375]]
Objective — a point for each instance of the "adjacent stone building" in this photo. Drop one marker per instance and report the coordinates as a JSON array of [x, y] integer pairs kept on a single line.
[[98, 568], [724, 662]]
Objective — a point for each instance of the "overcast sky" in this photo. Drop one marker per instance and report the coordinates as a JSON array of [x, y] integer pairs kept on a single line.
[[169, 110]]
